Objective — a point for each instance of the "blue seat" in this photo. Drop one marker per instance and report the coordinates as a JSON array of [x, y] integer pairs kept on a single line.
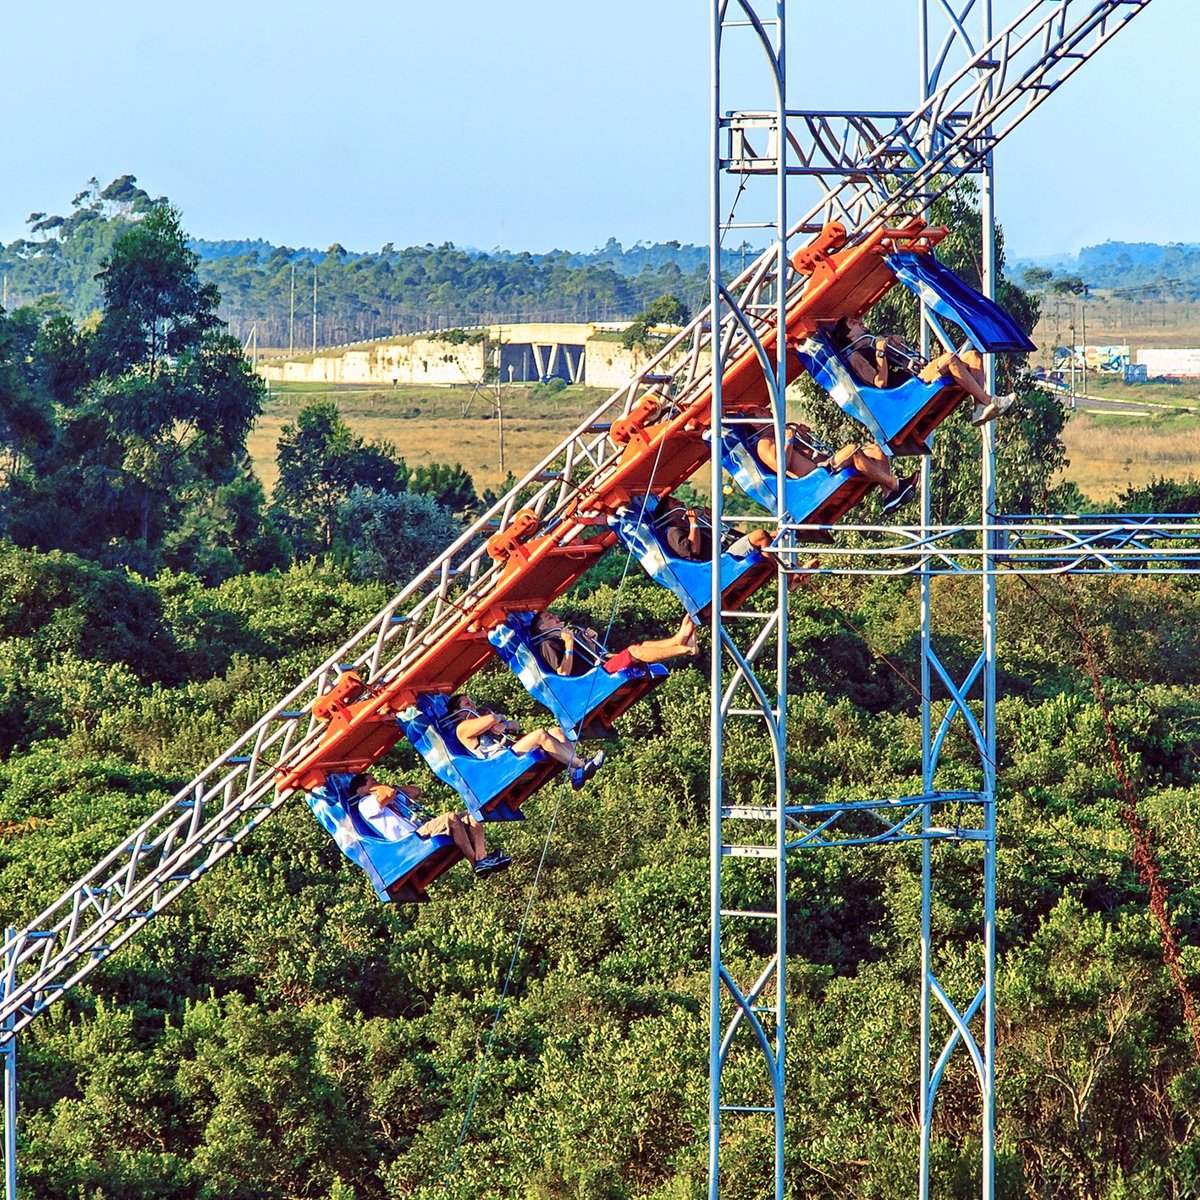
[[900, 418], [820, 498], [585, 706], [903, 418], [990, 328], [691, 582], [493, 789], [399, 870]]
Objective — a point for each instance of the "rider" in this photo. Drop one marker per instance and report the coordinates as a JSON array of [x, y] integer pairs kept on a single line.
[[884, 362], [486, 733], [568, 651], [393, 811]]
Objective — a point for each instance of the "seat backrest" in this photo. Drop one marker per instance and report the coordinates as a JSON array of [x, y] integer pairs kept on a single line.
[[691, 582], [431, 729], [990, 328], [388, 862], [823, 361], [741, 462], [485, 784], [579, 702]]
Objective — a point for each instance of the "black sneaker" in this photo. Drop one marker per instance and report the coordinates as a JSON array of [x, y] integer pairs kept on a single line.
[[906, 489], [494, 862]]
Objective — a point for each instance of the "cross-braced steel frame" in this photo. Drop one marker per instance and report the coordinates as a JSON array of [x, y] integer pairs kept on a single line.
[[975, 84]]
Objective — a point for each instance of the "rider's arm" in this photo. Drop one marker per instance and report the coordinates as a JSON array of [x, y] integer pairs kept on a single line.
[[474, 727]]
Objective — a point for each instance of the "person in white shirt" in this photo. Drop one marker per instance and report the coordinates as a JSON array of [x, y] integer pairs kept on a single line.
[[395, 812]]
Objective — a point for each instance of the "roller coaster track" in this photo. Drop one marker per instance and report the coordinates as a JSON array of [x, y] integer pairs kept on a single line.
[[426, 635]]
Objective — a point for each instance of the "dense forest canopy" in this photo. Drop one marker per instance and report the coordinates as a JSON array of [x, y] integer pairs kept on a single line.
[[1126, 270], [279, 1033]]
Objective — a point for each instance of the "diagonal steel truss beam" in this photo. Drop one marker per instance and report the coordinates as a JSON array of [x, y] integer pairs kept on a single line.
[[210, 817]]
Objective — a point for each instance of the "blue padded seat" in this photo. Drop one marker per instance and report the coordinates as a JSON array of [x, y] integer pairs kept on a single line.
[[900, 418], [819, 494], [903, 418], [691, 582], [399, 870], [585, 706], [493, 789]]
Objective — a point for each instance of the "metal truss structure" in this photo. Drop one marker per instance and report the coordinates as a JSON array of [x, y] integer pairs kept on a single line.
[[1092, 544], [868, 167], [208, 819]]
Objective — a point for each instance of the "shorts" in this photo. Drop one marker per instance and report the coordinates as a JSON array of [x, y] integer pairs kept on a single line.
[[442, 824], [621, 661], [438, 826]]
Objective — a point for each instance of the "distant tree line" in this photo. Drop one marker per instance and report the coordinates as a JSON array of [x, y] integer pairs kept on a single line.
[[359, 295], [1130, 270]]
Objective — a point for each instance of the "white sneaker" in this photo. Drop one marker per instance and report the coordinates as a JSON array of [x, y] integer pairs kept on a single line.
[[984, 413]]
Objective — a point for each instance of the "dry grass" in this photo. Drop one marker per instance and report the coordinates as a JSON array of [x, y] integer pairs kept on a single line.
[[1111, 453], [426, 425], [1108, 453]]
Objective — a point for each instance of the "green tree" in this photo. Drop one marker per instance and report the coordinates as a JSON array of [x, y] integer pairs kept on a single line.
[[666, 310], [179, 391], [391, 536], [1069, 285], [153, 406], [26, 420], [451, 486], [226, 532], [1036, 278], [154, 303], [321, 461]]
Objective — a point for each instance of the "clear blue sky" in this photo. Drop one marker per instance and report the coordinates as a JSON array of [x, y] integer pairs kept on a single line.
[[533, 125]]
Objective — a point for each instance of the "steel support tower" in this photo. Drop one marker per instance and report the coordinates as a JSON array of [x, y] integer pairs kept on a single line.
[[974, 84]]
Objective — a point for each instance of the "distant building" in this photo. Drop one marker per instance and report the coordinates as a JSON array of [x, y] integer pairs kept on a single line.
[[1170, 364], [521, 353]]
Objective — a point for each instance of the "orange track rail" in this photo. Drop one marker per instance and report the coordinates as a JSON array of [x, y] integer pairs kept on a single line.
[[658, 456]]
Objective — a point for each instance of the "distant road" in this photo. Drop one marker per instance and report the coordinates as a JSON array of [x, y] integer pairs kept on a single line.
[[1139, 408]]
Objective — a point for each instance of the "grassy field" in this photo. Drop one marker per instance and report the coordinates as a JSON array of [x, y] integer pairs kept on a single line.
[[1111, 452], [1108, 452], [428, 424]]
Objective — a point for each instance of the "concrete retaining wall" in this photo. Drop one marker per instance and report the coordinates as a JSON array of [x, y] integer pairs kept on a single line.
[[419, 361]]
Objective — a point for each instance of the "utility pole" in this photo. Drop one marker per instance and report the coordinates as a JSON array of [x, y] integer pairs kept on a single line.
[[499, 400], [1074, 401], [1083, 335], [292, 316], [314, 331]]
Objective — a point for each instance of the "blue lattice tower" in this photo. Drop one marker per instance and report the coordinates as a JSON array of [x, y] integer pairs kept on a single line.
[[867, 167]]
